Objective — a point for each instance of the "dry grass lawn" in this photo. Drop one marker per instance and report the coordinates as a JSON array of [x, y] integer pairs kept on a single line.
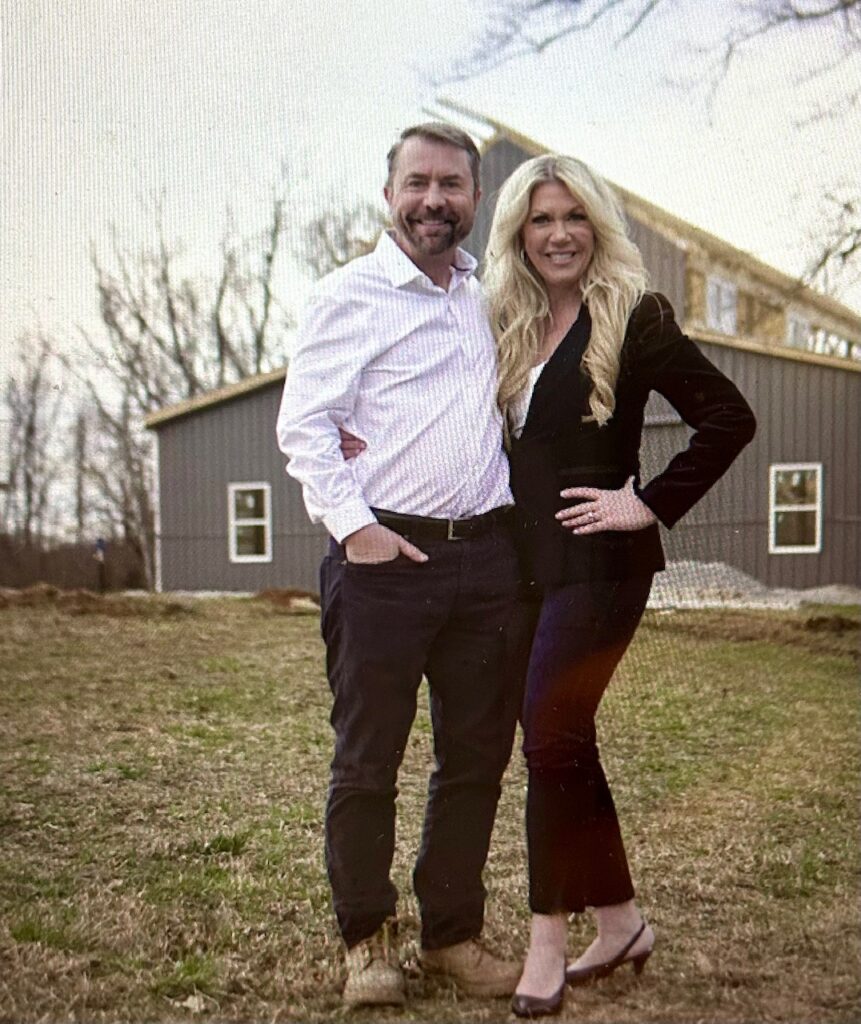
[[162, 776]]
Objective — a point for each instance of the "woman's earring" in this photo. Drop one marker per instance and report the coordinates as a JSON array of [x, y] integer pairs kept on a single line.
[[523, 256]]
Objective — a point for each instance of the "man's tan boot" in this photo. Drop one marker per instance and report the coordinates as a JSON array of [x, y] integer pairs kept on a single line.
[[374, 976], [474, 970]]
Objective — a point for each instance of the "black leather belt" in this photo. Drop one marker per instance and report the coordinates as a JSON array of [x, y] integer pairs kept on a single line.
[[421, 528]]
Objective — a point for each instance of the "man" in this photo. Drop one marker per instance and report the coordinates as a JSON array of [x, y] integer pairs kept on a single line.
[[395, 348]]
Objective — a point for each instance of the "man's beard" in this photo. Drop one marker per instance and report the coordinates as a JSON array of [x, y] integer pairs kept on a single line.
[[435, 244]]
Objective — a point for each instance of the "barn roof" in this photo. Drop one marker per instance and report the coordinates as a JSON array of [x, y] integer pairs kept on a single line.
[[260, 381], [493, 131], [215, 397], [641, 208]]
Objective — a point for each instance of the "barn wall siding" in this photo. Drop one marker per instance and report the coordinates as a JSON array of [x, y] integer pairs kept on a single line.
[[199, 456], [805, 413]]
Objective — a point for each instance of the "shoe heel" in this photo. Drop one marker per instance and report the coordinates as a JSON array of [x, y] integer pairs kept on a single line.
[[639, 961]]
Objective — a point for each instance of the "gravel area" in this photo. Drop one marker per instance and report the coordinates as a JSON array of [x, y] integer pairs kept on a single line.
[[716, 585], [697, 585]]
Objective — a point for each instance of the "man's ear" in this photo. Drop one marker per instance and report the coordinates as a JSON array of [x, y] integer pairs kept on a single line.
[[477, 195], [387, 194]]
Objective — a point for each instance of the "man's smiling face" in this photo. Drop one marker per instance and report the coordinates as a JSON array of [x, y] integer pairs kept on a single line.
[[432, 198]]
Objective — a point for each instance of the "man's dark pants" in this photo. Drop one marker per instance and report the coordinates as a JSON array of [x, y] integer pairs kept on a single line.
[[386, 626]]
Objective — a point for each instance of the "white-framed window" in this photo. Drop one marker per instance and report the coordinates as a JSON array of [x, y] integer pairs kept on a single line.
[[249, 513], [721, 305], [828, 343], [801, 334], [795, 508], [798, 332]]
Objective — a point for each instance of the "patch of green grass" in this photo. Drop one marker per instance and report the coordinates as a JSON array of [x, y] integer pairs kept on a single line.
[[193, 973], [36, 764], [29, 930], [185, 883], [849, 611], [301, 812], [162, 822], [206, 736], [233, 845], [22, 884], [224, 665], [55, 931]]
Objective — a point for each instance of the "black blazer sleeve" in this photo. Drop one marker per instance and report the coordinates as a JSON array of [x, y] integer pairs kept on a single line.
[[561, 447], [706, 400]]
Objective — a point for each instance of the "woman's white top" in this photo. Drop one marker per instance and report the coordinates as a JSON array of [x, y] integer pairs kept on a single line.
[[520, 406]]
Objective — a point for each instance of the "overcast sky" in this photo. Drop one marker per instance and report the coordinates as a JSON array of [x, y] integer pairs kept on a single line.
[[112, 105]]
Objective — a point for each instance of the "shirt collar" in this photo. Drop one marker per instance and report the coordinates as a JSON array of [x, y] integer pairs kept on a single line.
[[401, 270]]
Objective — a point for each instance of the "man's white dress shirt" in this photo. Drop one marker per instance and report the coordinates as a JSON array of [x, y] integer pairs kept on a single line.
[[410, 368]]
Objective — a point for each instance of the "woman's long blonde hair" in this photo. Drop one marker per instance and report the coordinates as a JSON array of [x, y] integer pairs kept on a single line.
[[613, 283]]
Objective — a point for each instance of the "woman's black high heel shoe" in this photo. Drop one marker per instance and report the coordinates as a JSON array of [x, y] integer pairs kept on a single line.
[[537, 1006], [580, 975]]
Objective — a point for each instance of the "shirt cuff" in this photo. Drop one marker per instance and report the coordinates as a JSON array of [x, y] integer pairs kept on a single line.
[[344, 521]]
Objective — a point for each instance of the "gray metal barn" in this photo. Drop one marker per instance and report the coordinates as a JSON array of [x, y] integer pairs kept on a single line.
[[229, 516], [787, 513]]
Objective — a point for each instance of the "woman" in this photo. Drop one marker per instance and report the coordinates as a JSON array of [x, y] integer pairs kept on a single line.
[[581, 345]]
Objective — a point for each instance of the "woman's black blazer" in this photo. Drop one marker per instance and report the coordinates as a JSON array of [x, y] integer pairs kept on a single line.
[[557, 449]]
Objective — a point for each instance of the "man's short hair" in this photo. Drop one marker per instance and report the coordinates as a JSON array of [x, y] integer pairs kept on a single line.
[[436, 131]]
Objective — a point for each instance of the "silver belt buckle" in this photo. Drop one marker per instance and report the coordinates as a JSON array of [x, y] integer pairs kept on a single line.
[[450, 533]]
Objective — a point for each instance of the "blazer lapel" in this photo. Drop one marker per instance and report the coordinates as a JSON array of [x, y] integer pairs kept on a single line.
[[560, 383]]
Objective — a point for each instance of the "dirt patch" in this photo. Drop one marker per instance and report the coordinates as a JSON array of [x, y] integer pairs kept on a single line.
[[824, 634], [831, 624], [290, 600], [86, 602]]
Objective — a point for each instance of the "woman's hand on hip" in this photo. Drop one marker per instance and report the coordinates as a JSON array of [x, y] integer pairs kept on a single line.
[[600, 510]]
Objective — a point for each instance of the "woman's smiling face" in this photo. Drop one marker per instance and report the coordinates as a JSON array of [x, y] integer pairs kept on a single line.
[[557, 236]]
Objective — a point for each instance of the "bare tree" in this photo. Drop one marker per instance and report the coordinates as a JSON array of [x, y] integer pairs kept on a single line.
[[517, 27], [118, 473], [248, 323], [514, 28], [80, 460], [839, 259], [338, 236], [170, 337], [33, 406], [167, 337]]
